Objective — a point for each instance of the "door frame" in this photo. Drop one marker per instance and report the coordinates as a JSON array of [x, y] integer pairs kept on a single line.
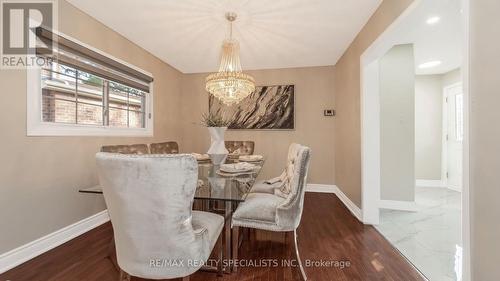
[[370, 128], [444, 145], [370, 118]]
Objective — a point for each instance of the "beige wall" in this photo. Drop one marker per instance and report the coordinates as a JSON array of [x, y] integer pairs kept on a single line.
[[40, 176], [397, 124], [428, 126], [485, 139], [347, 99], [313, 93]]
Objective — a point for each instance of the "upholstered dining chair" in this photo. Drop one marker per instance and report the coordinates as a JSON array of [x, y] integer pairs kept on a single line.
[[169, 147], [278, 206], [149, 199], [126, 149], [242, 147]]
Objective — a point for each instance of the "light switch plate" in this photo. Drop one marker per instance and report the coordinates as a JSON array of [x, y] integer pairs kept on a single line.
[[329, 112]]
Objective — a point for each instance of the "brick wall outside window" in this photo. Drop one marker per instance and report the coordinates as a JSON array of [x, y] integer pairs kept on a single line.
[[61, 108]]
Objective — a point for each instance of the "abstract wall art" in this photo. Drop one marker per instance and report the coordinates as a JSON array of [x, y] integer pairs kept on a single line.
[[267, 108]]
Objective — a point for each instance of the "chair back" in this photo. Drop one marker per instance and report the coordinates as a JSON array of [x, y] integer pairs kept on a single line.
[[289, 212], [169, 147], [126, 149], [243, 147], [149, 199]]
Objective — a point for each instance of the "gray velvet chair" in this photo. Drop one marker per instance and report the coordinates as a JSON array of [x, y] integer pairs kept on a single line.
[[149, 199], [242, 147], [278, 206], [126, 149], [169, 147]]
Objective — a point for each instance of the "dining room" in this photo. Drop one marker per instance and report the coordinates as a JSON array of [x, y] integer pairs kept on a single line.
[[188, 140]]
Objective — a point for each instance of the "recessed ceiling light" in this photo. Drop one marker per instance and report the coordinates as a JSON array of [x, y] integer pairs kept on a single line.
[[429, 64], [433, 20]]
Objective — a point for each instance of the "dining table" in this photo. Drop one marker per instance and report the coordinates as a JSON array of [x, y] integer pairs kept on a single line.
[[217, 191]]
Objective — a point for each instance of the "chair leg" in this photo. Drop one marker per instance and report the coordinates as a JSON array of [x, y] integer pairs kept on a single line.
[[219, 255], [236, 244], [304, 277], [227, 234]]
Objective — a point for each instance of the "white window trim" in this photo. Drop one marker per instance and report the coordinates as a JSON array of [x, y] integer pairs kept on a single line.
[[36, 127]]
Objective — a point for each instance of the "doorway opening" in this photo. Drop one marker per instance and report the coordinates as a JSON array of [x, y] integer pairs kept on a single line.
[[453, 136], [415, 137]]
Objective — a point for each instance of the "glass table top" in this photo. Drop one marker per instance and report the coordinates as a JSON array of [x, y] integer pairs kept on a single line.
[[214, 184]]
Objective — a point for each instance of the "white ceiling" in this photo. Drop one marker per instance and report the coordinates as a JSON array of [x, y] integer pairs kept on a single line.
[[441, 41], [187, 34]]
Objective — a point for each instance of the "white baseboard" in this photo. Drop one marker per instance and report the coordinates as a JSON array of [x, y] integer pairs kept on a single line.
[[430, 183], [322, 188], [35, 248], [435, 183], [398, 205], [355, 210], [328, 188]]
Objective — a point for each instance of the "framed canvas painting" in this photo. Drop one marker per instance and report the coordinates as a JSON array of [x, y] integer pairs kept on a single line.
[[267, 108]]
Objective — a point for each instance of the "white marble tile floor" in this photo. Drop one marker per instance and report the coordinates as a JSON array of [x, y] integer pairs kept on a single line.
[[431, 237]]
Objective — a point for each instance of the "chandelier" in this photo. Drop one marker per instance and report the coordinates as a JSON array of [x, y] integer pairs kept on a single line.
[[230, 85]]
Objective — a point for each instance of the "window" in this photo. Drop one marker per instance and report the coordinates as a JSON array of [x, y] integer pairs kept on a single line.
[[85, 92], [73, 96]]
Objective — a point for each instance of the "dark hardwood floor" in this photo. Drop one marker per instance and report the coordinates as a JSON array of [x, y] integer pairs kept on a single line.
[[328, 232]]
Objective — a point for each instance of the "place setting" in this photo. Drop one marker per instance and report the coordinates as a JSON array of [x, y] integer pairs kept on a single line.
[[237, 169], [250, 158]]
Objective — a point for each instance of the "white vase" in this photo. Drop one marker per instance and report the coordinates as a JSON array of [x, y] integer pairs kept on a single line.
[[217, 151]]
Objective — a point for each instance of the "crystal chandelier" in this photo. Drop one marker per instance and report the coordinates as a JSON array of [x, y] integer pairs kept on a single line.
[[230, 85]]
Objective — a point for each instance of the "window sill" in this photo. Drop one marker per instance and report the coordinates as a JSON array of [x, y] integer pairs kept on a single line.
[[54, 129]]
